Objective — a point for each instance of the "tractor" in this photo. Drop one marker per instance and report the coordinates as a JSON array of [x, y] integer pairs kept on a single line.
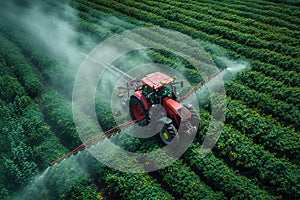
[[155, 102]]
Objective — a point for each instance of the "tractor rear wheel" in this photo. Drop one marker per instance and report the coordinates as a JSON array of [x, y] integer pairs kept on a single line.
[[138, 112], [168, 133]]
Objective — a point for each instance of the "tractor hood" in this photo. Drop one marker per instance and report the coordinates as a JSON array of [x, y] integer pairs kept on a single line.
[[177, 108]]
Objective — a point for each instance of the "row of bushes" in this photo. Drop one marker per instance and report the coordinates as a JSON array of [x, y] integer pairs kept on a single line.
[[223, 177], [179, 177], [184, 183], [287, 114], [277, 14], [289, 78], [227, 29], [270, 70], [97, 16], [92, 7], [248, 25], [19, 66], [27, 142], [253, 160], [283, 142], [217, 34], [134, 186], [267, 85], [169, 60], [50, 71]]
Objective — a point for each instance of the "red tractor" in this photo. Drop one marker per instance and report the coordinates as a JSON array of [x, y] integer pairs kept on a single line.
[[151, 93]]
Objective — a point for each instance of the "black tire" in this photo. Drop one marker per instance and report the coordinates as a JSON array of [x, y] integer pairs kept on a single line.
[[137, 111], [168, 133]]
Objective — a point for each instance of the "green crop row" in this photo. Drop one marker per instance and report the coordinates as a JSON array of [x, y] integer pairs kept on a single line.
[[101, 18], [19, 66], [185, 184], [228, 13], [270, 70], [284, 3], [253, 160], [221, 176], [277, 90], [190, 74], [134, 186], [66, 180], [283, 142], [260, 16], [49, 70], [275, 10], [225, 33], [94, 7], [59, 113], [27, 142], [232, 30], [191, 27], [290, 78], [244, 25], [179, 177], [287, 114]]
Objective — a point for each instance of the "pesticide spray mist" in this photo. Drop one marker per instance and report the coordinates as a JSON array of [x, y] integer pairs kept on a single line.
[[51, 27]]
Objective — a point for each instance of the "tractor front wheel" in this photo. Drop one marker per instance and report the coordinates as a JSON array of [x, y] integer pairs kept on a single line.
[[138, 112], [168, 133]]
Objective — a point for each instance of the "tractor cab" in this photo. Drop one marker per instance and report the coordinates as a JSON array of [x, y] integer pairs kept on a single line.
[[156, 86]]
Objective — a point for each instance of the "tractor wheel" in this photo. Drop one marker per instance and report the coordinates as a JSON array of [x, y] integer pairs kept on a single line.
[[138, 112], [168, 133]]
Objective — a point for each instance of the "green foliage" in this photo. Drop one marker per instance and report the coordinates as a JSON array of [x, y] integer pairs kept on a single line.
[[4, 193], [134, 186], [222, 177], [20, 67], [67, 180], [20, 169], [48, 151], [12, 88], [104, 113], [182, 181], [209, 31], [49, 70], [283, 112], [59, 112], [82, 189], [187, 183], [226, 28], [283, 142], [277, 90], [253, 160]]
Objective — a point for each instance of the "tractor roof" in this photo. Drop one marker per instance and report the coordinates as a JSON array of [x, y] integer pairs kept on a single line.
[[157, 80]]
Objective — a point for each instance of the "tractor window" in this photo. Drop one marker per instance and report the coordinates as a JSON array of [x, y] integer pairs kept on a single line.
[[165, 92], [149, 94], [146, 90], [183, 111]]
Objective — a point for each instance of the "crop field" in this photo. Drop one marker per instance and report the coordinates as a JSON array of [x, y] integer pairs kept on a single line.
[[257, 155]]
